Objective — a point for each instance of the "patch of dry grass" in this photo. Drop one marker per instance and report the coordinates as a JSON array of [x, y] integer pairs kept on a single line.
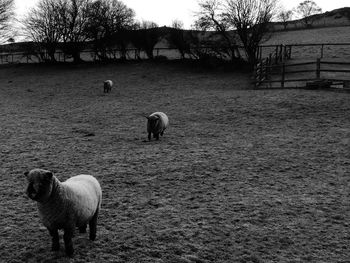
[[241, 175]]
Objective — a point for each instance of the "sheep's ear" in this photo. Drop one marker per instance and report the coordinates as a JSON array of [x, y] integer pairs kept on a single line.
[[26, 173]]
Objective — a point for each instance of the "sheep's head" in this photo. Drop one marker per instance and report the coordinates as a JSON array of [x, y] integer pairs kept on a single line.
[[153, 121], [39, 184]]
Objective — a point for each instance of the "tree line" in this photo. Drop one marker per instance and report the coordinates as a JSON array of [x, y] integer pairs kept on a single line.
[[108, 25]]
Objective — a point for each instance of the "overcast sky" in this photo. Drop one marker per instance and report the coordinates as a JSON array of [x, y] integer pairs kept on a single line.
[[163, 12]]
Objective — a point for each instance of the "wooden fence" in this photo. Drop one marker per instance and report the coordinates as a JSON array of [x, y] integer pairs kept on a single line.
[[280, 53], [275, 69], [90, 55], [313, 73], [319, 49], [133, 53], [87, 55], [264, 66]]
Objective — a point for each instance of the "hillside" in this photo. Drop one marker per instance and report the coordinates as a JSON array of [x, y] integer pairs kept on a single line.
[[335, 18], [322, 35]]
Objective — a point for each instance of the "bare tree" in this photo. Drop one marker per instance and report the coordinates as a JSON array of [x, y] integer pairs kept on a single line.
[[251, 19], [306, 10], [6, 14], [178, 24], [145, 36], [177, 37], [41, 26], [73, 22], [211, 16], [108, 21], [285, 16]]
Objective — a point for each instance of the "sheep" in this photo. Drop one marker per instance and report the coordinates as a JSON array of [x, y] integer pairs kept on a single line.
[[157, 122], [65, 205], [107, 86]]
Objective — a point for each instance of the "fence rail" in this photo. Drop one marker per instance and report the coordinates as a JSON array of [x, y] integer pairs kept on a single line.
[[322, 47], [87, 55]]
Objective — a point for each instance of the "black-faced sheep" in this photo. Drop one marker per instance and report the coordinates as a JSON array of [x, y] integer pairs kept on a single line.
[[107, 86], [157, 122], [65, 205]]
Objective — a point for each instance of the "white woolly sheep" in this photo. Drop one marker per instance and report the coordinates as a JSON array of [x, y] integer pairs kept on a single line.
[[107, 86], [156, 124], [65, 205]]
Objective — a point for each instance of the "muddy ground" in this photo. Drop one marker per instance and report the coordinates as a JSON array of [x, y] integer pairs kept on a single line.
[[240, 175]]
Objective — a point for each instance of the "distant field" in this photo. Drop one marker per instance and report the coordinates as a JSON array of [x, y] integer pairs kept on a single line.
[[328, 35], [318, 35], [241, 175]]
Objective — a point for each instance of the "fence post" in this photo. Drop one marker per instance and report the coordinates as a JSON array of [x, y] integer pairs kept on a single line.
[[318, 68], [260, 52], [266, 68], [256, 67], [281, 53], [322, 50], [276, 59], [283, 75], [259, 73], [290, 51]]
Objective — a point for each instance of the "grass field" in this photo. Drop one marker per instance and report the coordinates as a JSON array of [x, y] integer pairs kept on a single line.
[[327, 35], [241, 175]]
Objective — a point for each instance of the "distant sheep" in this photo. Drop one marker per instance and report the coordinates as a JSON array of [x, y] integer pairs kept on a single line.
[[107, 86], [73, 203], [156, 124]]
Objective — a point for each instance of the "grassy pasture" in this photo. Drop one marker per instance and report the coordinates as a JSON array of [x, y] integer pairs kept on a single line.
[[241, 175], [327, 35]]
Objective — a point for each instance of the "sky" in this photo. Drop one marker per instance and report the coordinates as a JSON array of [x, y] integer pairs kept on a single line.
[[164, 12]]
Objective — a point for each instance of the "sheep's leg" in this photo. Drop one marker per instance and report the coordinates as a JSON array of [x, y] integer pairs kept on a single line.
[[93, 226], [68, 243], [82, 229], [149, 136], [55, 240], [162, 133], [157, 136]]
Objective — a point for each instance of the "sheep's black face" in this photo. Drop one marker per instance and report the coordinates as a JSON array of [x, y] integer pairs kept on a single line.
[[39, 184], [153, 123]]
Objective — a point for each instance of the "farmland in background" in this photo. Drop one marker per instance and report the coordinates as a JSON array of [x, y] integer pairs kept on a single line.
[[327, 35]]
